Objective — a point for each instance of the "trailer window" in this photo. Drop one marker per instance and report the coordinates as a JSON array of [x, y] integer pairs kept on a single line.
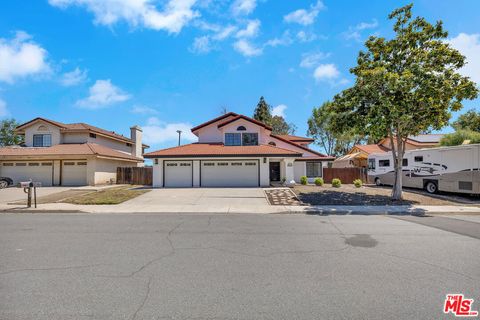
[[384, 163], [418, 158], [405, 162], [371, 164]]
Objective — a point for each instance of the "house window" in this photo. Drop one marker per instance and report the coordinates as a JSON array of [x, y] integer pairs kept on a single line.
[[222, 164], [156, 161], [209, 164], [314, 169], [418, 158], [371, 164], [129, 144], [47, 164], [250, 163], [69, 163], [93, 135], [241, 128], [42, 140], [384, 163], [33, 164], [83, 163], [8, 164], [250, 139], [233, 139]]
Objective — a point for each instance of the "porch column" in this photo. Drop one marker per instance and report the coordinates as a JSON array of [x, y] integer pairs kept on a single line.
[[289, 172]]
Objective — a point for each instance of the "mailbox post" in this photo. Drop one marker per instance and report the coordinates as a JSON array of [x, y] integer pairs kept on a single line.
[[28, 187]]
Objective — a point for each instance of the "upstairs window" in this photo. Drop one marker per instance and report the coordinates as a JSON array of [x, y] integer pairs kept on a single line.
[[250, 139], [42, 140], [93, 135], [241, 128], [233, 139]]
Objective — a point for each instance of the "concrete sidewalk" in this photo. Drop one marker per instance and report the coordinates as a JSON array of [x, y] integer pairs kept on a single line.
[[236, 208]]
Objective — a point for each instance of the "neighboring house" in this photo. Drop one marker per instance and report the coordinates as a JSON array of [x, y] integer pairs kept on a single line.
[[358, 155], [236, 151], [59, 154]]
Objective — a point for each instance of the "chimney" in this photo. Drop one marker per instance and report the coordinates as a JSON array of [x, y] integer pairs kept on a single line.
[[136, 136]]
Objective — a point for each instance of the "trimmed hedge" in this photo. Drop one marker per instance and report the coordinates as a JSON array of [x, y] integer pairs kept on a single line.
[[336, 183], [303, 180], [319, 182]]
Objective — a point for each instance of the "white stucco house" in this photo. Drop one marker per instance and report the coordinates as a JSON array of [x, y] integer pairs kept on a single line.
[[234, 150], [76, 154]]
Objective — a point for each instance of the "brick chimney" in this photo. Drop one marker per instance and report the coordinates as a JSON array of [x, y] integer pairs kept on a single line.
[[136, 136]]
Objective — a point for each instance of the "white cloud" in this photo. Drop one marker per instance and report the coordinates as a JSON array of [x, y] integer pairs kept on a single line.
[[285, 40], [74, 77], [140, 109], [224, 33], [175, 14], [3, 109], [250, 31], [303, 16], [102, 94], [201, 45], [243, 7], [21, 57], [310, 60], [326, 72], [246, 48], [279, 110], [157, 131], [469, 46], [354, 33], [302, 36]]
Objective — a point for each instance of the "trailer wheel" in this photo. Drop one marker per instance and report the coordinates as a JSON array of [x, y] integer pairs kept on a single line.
[[378, 182], [431, 187]]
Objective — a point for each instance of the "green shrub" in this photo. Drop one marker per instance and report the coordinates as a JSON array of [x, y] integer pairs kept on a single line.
[[336, 183], [357, 183], [458, 137], [318, 181], [303, 180]]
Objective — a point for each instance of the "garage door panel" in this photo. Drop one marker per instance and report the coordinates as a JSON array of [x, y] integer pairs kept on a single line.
[[178, 174], [37, 171], [241, 173], [74, 173]]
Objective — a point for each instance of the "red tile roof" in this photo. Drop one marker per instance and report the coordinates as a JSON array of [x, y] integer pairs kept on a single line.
[[241, 116], [79, 127], [371, 148], [83, 149], [226, 115], [325, 157], [219, 150], [295, 138]]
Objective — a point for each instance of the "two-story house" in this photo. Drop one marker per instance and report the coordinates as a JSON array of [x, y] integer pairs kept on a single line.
[[234, 150], [60, 154]]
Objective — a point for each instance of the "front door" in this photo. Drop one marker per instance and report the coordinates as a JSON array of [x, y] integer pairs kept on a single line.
[[274, 171]]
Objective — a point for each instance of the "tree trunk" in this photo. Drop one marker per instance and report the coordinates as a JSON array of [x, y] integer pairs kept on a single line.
[[398, 162]]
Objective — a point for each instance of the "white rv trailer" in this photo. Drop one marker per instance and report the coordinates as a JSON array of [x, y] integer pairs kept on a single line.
[[450, 169]]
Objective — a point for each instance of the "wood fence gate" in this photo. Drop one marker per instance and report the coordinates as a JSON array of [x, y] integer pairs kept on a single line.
[[135, 175], [346, 175]]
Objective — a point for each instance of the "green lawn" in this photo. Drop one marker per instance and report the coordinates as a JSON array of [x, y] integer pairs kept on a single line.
[[108, 196]]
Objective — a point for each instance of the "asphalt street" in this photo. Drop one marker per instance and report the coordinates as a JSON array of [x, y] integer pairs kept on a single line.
[[242, 266]]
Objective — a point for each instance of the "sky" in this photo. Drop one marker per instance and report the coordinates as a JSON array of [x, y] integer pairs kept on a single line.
[[170, 65]]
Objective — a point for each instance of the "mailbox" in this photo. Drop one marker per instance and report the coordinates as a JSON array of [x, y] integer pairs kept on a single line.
[[27, 188]]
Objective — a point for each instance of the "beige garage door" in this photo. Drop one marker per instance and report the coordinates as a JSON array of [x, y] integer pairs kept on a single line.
[[19, 171], [219, 173], [74, 173], [178, 174]]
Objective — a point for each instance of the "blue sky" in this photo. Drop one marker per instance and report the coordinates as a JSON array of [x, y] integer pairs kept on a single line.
[[168, 65]]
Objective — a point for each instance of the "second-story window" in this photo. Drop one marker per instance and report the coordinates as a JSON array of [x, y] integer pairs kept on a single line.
[[93, 135], [42, 140], [233, 139], [250, 139]]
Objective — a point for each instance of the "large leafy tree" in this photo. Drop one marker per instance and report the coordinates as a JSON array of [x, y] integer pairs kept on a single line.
[[280, 126], [8, 137], [468, 121], [263, 112], [320, 128], [404, 86]]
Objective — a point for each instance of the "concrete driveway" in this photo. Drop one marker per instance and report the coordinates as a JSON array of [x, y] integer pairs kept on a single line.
[[15, 194], [202, 196]]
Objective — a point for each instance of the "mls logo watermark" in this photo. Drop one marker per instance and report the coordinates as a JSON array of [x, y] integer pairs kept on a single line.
[[459, 306]]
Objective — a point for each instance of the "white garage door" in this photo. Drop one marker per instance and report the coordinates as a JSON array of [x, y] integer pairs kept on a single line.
[[38, 171], [178, 174], [74, 173], [220, 173]]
